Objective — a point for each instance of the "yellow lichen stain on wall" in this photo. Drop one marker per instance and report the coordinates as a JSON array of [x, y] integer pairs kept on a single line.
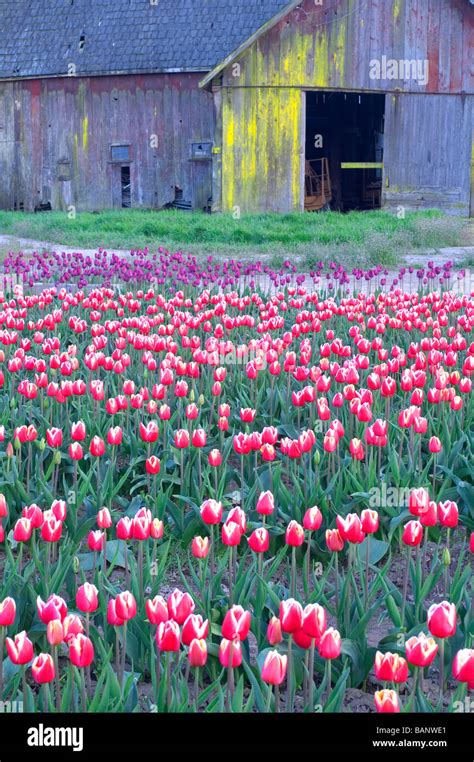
[[396, 10], [85, 131]]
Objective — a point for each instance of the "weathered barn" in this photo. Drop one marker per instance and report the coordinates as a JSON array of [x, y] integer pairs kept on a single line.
[[311, 104], [100, 104], [348, 103]]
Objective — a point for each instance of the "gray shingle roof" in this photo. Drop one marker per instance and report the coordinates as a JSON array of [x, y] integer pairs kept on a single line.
[[43, 37]]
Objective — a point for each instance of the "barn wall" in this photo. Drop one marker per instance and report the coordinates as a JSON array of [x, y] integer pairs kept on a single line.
[[43, 122], [330, 47], [427, 156], [263, 145]]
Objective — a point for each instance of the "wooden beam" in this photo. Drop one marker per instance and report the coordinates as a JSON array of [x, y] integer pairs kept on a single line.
[[362, 165]]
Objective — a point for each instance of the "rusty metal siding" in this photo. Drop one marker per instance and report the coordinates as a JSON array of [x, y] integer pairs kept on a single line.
[[427, 154], [76, 120]]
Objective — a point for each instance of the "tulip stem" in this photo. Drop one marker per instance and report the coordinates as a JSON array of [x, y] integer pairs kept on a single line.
[[441, 671], [212, 552], [230, 575], [124, 650], [308, 559], [269, 699], [23, 686], [289, 689], [168, 680], [405, 588], [45, 697], [196, 690], [329, 674], [336, 584], [311, 675], [140, 568], [277, 699], [367, 557], [293, 571], [56, 673]]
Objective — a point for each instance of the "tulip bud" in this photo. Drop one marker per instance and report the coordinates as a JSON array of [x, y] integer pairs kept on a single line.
[[197, 654], [230, 653], [54, 632], [274, 668], [274, 634], [387, 701], [43, 669]]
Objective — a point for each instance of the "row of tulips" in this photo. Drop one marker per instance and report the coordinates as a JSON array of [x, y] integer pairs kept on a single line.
[[284, 456]]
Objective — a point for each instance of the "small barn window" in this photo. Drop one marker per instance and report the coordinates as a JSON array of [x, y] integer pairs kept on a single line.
[[120, 153], [64, 170], [201, 150]]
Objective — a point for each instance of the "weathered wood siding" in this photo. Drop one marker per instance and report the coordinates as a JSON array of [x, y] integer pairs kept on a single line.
[[263, 149], [46, 123], [330, 47], [427, 154]]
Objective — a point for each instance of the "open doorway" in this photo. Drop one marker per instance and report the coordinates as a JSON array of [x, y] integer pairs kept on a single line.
[[344, 150]]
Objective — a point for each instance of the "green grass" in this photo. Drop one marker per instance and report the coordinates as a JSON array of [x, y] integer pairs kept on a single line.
[[366, 237]]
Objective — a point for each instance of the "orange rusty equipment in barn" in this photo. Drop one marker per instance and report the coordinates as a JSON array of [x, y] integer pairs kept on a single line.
[[318, 194]]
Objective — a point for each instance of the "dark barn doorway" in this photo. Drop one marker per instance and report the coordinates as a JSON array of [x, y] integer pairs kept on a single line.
[[344, 150]]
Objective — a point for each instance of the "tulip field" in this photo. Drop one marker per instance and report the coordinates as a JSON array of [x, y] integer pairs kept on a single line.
[[227, 489]]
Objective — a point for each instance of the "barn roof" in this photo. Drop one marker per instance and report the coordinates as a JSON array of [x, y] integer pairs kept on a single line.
[[41, 38]]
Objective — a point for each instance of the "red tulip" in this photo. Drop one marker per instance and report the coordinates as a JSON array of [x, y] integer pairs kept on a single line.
[[259, 540], [369, 521], [181, 439], [215, 458], [435, 445], [95, 540], [334, 540], [197, 654], [291, 615], [180, 606], [265, 504], [448, 513], [125, 606], [200, 546], [418, 501], [149, 432], [274, 635], [236, 623], [54, 608], [350, 528], [211, 512], [78, 431], [442, 619], [157, 529], [274, 668], [329, 646], [20, 648], [390, 667], [104, 519], [97, 447], [153, 465], [231, 534], [412, 533], [112, 617], [463, 665], [421, 650], [87, 599], [167, 636], [387, 701], [54, 632], [43, 669], [314, 620], [75, 451], [22, 530], [81, 651], [194, 628], [59, 509], [54, 437], [230, 653], [3, 507], [124, 528], [294, 535], [312, 519], [51, 529], [157, 610], [114, 435]]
